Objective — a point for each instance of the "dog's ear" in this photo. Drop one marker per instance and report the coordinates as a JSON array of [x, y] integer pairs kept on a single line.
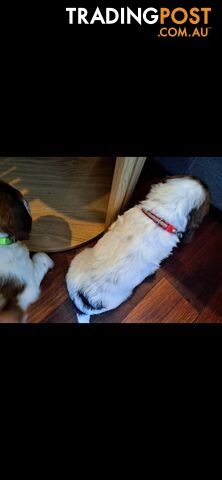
[[14, 217], [6, 217], [195, 218]]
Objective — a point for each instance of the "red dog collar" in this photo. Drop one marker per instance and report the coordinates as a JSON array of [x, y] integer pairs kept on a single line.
[[168, 227]]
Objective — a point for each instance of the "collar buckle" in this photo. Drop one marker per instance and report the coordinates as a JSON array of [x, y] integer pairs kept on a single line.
[[168, 227]]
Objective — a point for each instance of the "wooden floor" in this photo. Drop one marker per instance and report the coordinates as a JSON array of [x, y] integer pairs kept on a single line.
[[186, 289]]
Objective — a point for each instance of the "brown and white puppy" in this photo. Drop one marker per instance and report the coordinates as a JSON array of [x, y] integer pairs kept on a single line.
[[101, 278], [20, 276]]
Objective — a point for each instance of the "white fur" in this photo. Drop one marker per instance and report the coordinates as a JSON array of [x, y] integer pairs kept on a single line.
[[15, 263], [133, 248]]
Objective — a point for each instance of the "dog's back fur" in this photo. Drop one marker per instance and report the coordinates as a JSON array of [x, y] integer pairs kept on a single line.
[[102, 277]]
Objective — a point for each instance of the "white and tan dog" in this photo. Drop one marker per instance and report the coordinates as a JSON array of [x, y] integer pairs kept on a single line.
[[20, 276], [102, 277]]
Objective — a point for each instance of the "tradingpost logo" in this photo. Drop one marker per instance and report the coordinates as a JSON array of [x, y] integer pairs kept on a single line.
[[177, 22]]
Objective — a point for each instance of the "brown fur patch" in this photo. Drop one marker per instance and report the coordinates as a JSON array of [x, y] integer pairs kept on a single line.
[[14, 217], [10, 312]]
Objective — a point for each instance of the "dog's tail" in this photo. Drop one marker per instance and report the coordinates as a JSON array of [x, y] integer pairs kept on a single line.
[[82, 317]]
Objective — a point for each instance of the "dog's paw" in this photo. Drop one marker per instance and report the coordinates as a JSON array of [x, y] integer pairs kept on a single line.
[[44, 259]]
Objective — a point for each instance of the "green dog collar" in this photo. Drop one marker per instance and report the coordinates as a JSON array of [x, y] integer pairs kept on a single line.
[[7, 240]]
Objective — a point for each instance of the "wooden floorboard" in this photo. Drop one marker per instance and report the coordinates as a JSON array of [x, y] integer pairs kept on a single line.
[[63, 314], [182, 312], [158, 305], [212, 313]]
